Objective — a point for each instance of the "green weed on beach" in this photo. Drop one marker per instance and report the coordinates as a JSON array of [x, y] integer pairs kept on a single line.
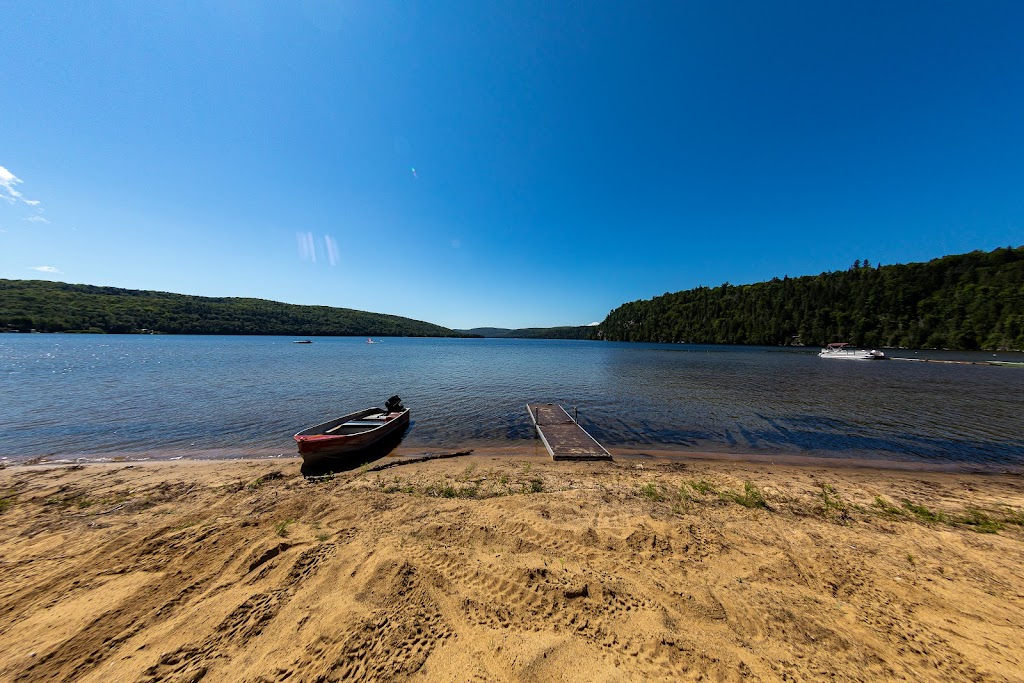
[[885, 507], [448, 490], [652, 491], [752, 496], [972, 518], [833, 506], [1011, 516], [703, 487], [979, 521], [534, 486], [922, 512], [268, 477]]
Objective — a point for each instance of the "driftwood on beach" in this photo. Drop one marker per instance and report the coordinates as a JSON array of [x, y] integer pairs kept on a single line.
[[396, 460]]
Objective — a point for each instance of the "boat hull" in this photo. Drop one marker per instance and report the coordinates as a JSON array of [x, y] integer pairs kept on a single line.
[[318, 448], [850, 356]]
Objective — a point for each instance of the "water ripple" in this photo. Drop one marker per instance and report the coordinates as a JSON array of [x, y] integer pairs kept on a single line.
[[96, 395]]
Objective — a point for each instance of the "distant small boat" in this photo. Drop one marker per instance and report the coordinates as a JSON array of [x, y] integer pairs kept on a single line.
[[370, 341], [347, 435], [302, 341], [840, 350]]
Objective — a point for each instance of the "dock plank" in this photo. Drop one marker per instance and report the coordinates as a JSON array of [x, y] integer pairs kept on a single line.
[[562, 436]]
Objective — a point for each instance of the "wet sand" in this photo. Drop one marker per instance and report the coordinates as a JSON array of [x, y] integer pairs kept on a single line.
[[497, 567]]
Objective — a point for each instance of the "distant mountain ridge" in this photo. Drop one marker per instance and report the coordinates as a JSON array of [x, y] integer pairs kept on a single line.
[[565, 332], [47, 306]]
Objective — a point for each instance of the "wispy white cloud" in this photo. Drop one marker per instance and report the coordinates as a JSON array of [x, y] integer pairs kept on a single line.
[[595, 324], [46, 269], [9, 191], [7, 182], [307, 248], [332, 249], [307, 243]]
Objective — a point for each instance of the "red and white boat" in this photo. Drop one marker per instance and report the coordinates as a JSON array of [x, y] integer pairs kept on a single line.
[[352, 433]]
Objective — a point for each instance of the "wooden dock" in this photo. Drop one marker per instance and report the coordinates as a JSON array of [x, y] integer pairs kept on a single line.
[[562, 436]]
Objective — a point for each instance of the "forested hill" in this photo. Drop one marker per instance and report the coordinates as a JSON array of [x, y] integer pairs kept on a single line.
[[59, 307], [967, 301]]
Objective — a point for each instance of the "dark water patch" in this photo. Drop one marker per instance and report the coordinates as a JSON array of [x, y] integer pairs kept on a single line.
[[856, 440], [643, 432]]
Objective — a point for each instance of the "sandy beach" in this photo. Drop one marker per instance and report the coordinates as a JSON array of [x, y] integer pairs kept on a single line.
[[493, 567]]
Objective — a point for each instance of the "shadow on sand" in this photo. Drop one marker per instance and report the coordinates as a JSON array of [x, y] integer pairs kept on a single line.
[[355, 459]]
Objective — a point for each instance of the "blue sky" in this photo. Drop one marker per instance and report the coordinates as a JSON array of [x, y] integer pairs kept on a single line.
[[501, 164]]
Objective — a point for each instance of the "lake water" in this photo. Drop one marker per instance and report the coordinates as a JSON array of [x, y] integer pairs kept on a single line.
[[112, 396]]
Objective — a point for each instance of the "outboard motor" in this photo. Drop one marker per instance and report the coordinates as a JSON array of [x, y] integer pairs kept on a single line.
[[394, 405]]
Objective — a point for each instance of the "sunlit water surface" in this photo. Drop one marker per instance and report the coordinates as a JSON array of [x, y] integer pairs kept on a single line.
[[104, 396]]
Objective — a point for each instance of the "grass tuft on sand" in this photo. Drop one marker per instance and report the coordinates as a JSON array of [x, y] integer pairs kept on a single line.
[[752, 496]]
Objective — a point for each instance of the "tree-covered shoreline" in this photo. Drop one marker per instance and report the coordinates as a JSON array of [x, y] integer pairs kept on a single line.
[[46, 306], [961, 302]]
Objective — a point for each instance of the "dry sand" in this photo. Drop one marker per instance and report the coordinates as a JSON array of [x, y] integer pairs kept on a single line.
[[488, 568]]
